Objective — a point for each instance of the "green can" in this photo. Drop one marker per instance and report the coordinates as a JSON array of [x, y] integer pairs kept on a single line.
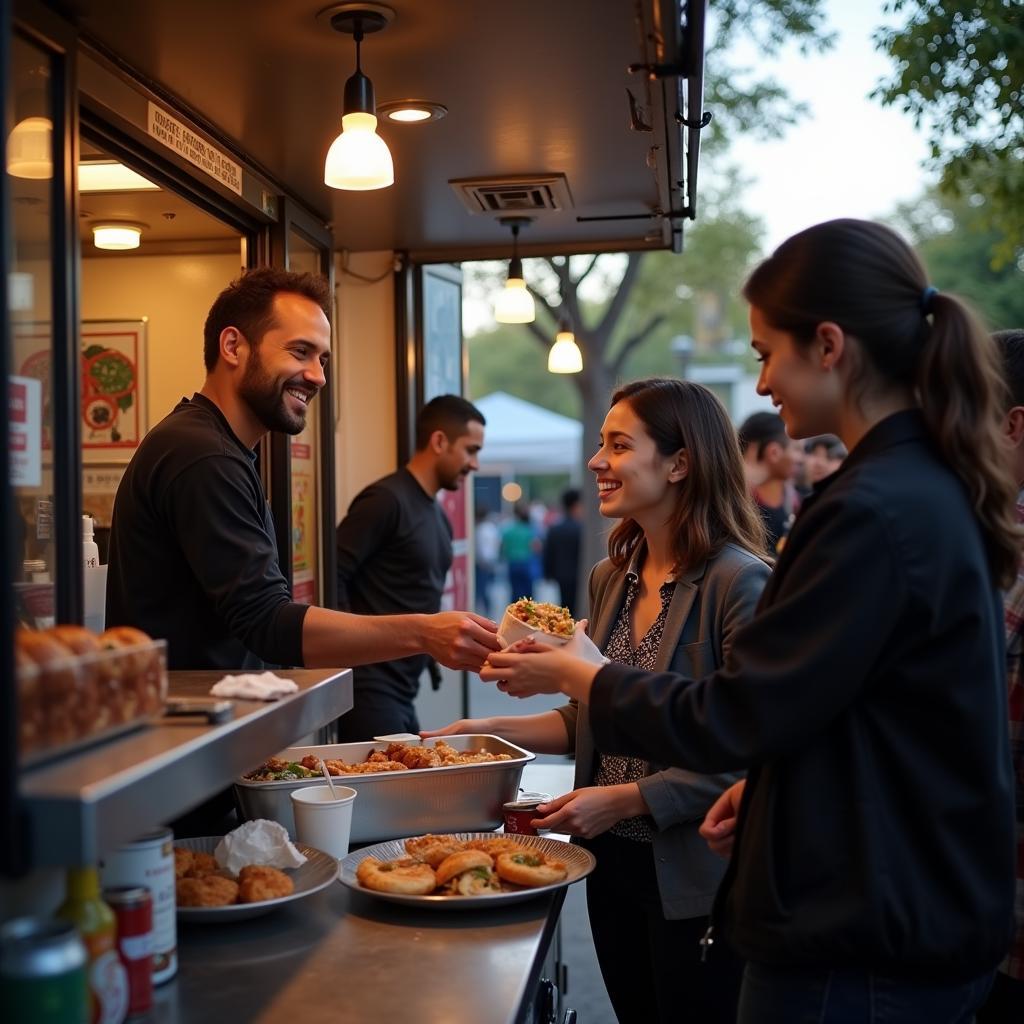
[[42, 972]]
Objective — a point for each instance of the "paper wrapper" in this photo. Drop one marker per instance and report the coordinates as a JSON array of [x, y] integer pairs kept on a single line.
[[513, 630], [257, 842]]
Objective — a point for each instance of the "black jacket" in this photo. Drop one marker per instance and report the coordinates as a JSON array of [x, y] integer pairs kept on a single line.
[[868, 698]]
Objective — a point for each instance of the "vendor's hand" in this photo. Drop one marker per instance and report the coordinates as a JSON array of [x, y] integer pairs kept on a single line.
[[461, 639], [719, 825], [529, 667], [591, 811], [464, 726]]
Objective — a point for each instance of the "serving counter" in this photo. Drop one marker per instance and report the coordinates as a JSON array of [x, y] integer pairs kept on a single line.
[[347, 958], [85, 804]]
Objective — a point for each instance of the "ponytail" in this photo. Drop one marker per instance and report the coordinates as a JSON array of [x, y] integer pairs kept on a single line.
[[868, 280], [961, 392]]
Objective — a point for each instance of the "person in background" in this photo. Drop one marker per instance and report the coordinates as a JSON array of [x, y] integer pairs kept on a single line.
[[773, 461], [872, 870], [686, 568], [1005, 1004], [193, 558], [486, 556], [519, 550], [823, 455], [562, 549], [394, 552]]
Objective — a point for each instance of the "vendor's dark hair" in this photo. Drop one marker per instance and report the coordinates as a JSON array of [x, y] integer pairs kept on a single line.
[[713, 506], [450, 413], [1011, 348], [868, 280], [248, 304], [762, 429]]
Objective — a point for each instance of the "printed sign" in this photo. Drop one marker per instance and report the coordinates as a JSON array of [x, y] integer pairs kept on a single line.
[[172, 133], [25, 431]]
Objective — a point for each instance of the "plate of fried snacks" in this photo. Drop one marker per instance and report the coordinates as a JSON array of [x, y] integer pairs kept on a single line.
[[208, 892], [465, 870]]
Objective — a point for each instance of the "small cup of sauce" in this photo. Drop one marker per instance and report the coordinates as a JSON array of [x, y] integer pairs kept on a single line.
[[521, 811]]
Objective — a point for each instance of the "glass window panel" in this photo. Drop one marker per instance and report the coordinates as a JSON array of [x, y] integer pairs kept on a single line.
[[29, 129]]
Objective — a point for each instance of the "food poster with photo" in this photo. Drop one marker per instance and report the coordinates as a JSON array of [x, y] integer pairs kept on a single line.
[[305, 515]]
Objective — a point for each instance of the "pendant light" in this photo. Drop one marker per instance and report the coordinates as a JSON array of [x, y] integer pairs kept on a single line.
[[359, 159], [29, 148], [514, 304], [565, 356]]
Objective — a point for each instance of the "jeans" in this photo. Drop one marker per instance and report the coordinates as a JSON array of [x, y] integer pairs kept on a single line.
[[778, 995]]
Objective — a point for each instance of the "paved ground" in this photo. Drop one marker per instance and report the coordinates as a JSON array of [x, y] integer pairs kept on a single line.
[[586, 993]]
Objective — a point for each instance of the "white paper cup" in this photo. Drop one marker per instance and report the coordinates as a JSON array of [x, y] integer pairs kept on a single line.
[[511, 630], [322, 820]]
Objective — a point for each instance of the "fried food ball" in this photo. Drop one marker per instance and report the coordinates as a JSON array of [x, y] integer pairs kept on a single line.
[[457, 863], [407, 876], [182, 862], [257, 883], [530, 867], [202, 864], [208, 891], [433, 849]]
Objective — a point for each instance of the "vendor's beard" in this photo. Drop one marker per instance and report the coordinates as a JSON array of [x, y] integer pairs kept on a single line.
[[266, 398]]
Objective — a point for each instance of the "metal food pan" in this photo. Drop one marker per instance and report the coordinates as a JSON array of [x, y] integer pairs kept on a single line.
[[390, 805]]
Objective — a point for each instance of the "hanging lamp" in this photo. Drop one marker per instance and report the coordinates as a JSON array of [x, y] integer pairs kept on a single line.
[[514, 304], [564, 355], [359, 159]]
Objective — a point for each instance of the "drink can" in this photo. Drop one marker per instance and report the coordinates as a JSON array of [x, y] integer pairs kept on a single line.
[[133, 910], [149, 862], [43, 972], [520, 812]]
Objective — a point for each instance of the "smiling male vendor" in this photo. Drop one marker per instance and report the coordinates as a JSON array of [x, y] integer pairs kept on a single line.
[[193, 557]]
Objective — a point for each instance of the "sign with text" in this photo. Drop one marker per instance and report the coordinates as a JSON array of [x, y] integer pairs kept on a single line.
[[25, 430], [172, 133]]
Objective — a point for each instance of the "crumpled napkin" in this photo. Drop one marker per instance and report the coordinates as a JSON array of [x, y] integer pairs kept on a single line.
[[258, 842], [254, 686]]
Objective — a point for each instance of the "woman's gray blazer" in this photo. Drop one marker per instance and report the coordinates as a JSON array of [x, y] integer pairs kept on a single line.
[[709, 604]]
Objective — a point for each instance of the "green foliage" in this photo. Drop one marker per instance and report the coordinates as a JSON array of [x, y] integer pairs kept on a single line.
[[959, 72], [955, 241]]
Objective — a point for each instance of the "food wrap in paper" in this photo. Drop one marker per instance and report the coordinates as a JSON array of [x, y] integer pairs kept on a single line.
[[257, 842], [513, 630]]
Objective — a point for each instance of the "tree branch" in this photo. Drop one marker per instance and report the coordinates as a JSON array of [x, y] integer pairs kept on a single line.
[[593, 263], [621, 296], [634, 342], [543, 339]]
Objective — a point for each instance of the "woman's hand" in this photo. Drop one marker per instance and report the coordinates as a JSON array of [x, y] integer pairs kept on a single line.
[[464, 726], [719, 825], [530, 667], [591, 811]]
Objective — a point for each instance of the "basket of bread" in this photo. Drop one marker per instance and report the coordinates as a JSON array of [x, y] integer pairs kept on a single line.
[[75, 686]]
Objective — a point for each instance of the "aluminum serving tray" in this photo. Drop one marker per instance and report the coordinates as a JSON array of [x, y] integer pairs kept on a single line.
[[390, 805]]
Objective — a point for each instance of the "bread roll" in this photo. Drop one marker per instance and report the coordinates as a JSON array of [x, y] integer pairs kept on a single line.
[[58, 670]]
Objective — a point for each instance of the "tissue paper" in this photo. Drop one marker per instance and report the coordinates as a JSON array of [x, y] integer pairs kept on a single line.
[[257, 842]]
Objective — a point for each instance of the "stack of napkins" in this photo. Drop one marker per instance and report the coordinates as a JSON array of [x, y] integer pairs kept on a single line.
[[254, 686], [257, 842]]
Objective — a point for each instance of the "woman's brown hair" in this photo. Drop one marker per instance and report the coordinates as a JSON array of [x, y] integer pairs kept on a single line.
[[865, 278], [713, 506]]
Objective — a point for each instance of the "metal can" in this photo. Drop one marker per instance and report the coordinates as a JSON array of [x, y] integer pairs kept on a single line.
[[520, 812], [43, 972], [149, 862], [133, 910]]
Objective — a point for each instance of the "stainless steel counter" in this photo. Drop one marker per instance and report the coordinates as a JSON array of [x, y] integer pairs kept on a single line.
[[346, 958], [83, 805]]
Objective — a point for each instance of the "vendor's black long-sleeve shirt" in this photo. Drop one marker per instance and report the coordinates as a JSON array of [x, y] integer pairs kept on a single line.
[[193, 557], [868, 697], [394, 552]]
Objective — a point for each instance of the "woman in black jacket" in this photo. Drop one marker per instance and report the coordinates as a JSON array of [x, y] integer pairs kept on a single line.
[[872, 874]]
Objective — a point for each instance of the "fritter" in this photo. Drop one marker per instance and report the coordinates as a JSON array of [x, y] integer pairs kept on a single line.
[[208, 891], [257, 883]]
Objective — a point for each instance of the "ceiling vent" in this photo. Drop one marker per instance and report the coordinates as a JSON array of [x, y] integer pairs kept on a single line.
[[522, 194]]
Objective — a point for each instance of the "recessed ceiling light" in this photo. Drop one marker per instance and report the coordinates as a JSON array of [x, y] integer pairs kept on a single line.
[[111, 176], [411, 111]]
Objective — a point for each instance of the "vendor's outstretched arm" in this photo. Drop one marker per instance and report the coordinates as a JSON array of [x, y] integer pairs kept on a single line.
[[460, 640]]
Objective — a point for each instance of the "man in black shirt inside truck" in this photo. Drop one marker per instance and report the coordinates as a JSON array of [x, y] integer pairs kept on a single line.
[[193, 557], [394, 551]]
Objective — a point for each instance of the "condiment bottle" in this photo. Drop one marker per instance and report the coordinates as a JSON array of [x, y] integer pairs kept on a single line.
[[90, 549], [108, 980]]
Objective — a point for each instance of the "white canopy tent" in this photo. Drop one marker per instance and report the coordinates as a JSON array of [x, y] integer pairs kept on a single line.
[[523, 438]]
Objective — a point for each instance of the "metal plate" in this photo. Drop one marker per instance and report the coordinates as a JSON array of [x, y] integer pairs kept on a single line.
[[319, 871], [579, 861]]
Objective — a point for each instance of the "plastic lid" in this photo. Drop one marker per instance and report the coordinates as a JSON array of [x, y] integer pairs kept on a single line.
[[87, 527]]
